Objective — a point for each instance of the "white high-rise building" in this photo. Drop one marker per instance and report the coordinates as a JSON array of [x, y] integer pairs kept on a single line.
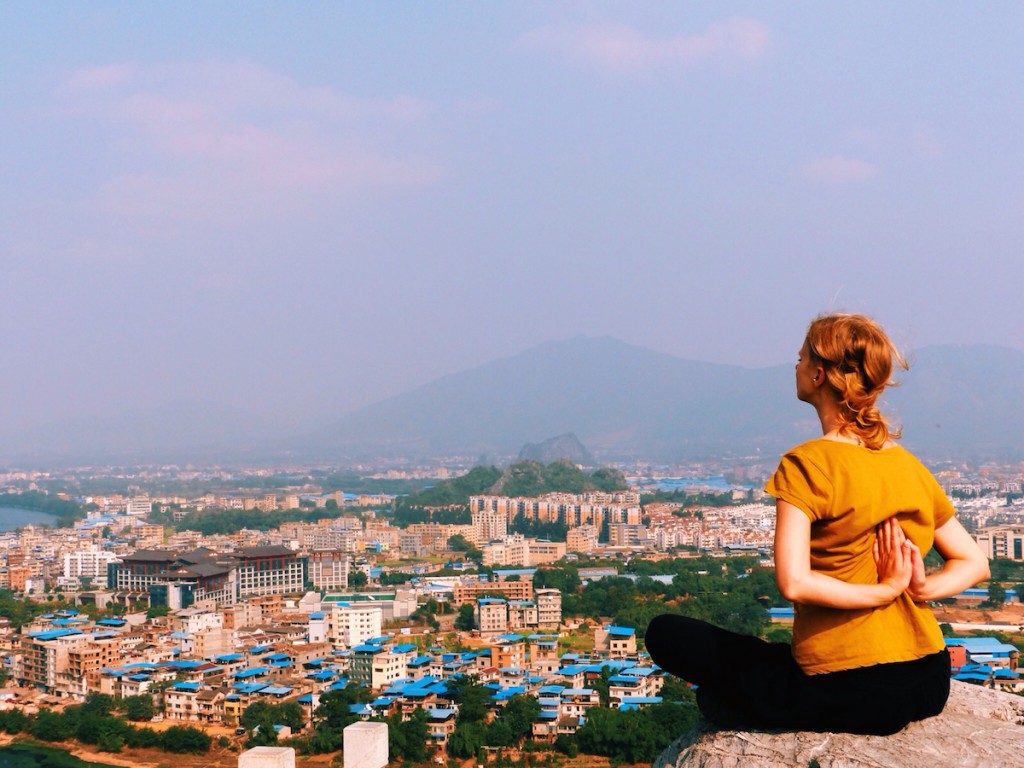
[[88, 563], [354, 623], [138, 506]]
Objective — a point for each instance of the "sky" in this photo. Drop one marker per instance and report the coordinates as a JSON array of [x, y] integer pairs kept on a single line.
[[301, 208]]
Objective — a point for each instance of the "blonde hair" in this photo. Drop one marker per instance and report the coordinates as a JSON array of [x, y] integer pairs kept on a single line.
[[857, 358]]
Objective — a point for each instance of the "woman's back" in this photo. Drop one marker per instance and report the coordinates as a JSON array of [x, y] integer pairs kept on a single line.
[[846, 491]]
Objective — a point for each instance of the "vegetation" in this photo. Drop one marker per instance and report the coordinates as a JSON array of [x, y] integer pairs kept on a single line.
[[446, 502], [94, 722], [227, 521], [330, 718], [703, 499], [634, 736], [732, 593], [21, 612]]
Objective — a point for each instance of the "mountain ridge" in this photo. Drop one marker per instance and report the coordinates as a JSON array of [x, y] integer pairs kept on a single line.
[[623, 401]]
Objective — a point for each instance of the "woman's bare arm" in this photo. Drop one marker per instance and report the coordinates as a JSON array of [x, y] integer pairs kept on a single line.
[[799, 583], [965, 565]]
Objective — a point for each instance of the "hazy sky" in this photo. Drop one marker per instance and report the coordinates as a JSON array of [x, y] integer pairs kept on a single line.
[[298, 208]]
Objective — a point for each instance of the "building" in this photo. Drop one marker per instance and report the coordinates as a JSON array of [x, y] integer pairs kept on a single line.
[[352, 624], [88, 563], [328, 570], [271, 570], [549, 608], [489, 525], [1005, 542], [617, 642], [491, 615]]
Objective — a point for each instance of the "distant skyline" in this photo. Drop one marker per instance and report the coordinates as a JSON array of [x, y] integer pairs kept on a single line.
[[298, 210]]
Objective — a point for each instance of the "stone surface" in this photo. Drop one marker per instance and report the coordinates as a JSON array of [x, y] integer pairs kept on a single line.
[[979, 727], [267, 757], [365, 745]]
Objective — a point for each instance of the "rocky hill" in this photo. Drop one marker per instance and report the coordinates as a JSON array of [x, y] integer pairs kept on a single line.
[[979, 728]]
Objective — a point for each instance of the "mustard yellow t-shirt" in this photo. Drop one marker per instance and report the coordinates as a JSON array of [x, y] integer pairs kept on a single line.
[[846, 490]]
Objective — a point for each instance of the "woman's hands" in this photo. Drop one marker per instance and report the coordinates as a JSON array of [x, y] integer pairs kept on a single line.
[[895, 558]]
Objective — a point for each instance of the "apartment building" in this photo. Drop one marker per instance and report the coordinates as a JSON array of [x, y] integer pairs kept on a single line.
[[328, 570], [352, 624], [1005, 541]]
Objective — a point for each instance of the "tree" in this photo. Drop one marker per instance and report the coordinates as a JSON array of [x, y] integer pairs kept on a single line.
[[996, 595], [520, 713], [357, 579], [138, 708], [465, 621], [185, 740], [472, 697], [408, 740], [467, 739]]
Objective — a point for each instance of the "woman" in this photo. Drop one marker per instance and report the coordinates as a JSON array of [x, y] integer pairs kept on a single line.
[[855, 515]]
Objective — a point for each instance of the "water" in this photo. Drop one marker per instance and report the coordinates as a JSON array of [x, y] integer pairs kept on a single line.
[[31, 756], [715, 483], [11, 518]]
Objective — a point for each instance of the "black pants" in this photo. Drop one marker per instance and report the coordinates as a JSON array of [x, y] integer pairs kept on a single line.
[[745, 683]]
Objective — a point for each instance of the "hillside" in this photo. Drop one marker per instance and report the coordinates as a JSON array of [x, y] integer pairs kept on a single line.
[[624, 401]]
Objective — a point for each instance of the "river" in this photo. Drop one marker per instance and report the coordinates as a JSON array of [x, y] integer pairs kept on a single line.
[[32, 756], [11, 518]]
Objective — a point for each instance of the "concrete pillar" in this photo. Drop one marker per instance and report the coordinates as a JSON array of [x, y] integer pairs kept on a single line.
[[365, 745], [267, 757]]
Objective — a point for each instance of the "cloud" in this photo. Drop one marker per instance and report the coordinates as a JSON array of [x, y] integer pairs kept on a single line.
[[623, 49], [838, 170], [213, 139]]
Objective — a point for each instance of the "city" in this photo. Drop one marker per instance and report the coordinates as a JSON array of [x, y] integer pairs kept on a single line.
[[390, 604]]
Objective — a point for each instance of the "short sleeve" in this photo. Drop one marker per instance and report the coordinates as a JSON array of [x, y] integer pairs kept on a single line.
[[800, 482], [944, 509]]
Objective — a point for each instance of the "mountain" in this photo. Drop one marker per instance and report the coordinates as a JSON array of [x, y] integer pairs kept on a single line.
[[621, 401], [624, 401], [566, 446]]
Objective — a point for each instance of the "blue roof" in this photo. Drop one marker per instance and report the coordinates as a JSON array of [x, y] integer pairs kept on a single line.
[[621, 631], [249, 687], [367, 648], [318, 615], [276, 657], [405, 648], [53, 634], [227, 658], [187, 686], [987, 645], [276, 690], [242, 674]]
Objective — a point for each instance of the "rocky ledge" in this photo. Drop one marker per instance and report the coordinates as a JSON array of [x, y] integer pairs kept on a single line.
[[979, 727]]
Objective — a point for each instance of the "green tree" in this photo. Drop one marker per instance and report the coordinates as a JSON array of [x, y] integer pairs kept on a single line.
[[51, 726], [184, 740], [996, 595], [407, 739], [467, 739], [138, 708], [465, 621], [520, 714], [472, 697]]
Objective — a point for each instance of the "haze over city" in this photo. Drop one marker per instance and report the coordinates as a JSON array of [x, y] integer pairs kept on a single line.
[[299, 210]]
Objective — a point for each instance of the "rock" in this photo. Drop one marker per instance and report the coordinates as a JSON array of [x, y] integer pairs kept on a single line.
[[979, 727], [565, 446]]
